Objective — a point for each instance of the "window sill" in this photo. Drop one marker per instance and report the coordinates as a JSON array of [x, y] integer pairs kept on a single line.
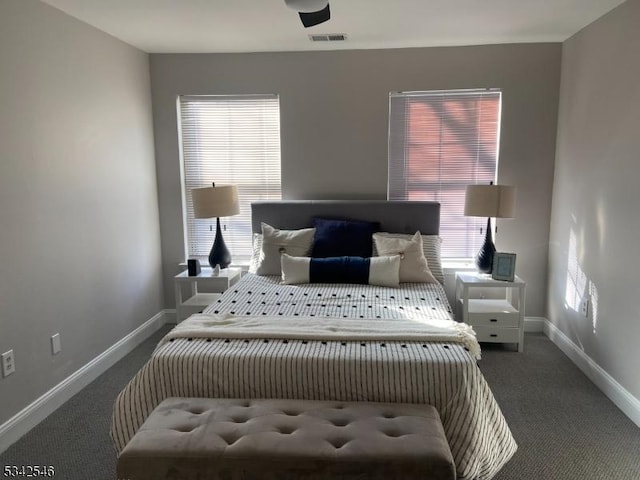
[[460, 263], [451, 266], [242, 263], [448, 265]]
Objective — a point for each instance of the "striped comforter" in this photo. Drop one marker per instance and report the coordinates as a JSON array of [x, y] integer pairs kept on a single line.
[[441, 374]]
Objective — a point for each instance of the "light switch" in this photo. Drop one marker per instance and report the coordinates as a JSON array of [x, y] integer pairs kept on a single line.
[[56, 347]]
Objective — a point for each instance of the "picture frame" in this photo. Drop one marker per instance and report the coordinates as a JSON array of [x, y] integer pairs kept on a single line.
[[504, 267]]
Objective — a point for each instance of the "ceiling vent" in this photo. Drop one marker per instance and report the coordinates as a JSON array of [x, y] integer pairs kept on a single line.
[[328, 37]]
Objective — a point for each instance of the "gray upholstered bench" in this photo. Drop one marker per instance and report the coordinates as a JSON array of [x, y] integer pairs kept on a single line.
[[216, 439]]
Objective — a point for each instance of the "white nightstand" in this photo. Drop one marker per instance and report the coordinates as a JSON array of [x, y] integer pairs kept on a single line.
[[497, 320], [214, 284]]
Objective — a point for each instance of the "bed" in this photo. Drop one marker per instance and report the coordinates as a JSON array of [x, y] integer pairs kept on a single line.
[[383, 364]]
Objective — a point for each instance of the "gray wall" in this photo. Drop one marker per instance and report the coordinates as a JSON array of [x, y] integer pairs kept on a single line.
[[79, 234], [595, 230], [334, 110]]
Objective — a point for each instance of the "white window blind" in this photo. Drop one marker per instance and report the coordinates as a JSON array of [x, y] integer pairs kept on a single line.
[[440, 142], [229, 140]]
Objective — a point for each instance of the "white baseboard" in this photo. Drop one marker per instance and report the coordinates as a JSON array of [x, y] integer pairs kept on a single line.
[[534, 324], [34, 413], [170, 315], [626, 402]]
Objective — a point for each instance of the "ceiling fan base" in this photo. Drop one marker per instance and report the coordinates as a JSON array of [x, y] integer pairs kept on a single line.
[[311, 19]]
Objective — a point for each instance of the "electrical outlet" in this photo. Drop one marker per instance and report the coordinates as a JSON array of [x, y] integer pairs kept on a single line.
[[584, 307], [8, 363], [56, 347]]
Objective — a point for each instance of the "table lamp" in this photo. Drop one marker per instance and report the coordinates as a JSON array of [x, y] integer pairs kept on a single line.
[[216, 201], [489, 201]]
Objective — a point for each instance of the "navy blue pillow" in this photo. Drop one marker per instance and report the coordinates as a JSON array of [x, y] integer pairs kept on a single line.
[[347, 269], [383, 271], [343, 238]]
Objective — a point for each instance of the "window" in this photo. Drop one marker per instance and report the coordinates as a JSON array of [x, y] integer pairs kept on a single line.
[[440, 142], [229, 140]]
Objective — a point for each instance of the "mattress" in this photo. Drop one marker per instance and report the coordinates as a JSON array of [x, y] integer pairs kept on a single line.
[[442, 374]]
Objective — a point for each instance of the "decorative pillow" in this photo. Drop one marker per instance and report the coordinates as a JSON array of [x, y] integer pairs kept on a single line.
[[383, 271], [296, 243], [343, 238], [256, 248], [430, 247], [413, 264]]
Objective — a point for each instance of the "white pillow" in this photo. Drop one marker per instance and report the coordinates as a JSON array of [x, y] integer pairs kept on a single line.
[[255, 252], [383, 271], [296, 243], [430, 247], [413, 264]]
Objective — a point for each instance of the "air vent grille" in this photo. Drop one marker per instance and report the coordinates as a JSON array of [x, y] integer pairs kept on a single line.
[[328, 37]]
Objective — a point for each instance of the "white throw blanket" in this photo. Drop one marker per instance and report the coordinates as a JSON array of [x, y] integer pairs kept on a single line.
[[344, 329]]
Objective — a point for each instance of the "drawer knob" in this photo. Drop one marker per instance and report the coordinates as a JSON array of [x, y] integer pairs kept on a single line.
[[493, 319], [493, 335]]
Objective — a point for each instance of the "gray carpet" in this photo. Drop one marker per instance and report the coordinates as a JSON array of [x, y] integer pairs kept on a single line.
[[565, 427]]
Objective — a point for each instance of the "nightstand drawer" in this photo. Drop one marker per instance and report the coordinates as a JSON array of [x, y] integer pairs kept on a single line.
[[492, 313], [495, 334], [499, 320]]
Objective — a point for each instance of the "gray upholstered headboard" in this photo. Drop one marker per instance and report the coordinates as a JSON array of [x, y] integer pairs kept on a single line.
[[394, 216]]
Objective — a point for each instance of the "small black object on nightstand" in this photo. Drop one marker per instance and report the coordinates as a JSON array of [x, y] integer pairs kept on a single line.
[[193, 265]]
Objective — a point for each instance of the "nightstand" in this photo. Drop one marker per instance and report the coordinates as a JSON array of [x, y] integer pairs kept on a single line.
[[496, 320], [197, 301]]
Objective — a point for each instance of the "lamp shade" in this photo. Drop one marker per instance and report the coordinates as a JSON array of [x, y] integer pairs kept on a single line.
[[498, 201], [216, 201]]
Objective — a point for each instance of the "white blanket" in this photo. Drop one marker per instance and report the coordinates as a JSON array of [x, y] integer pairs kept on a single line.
[[346, 329]]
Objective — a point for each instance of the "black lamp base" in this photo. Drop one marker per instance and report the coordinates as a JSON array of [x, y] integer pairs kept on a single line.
[[219, 255], [484, 259]]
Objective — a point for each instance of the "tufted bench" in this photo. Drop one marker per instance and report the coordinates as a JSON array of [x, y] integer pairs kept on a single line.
[[228, 439]]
